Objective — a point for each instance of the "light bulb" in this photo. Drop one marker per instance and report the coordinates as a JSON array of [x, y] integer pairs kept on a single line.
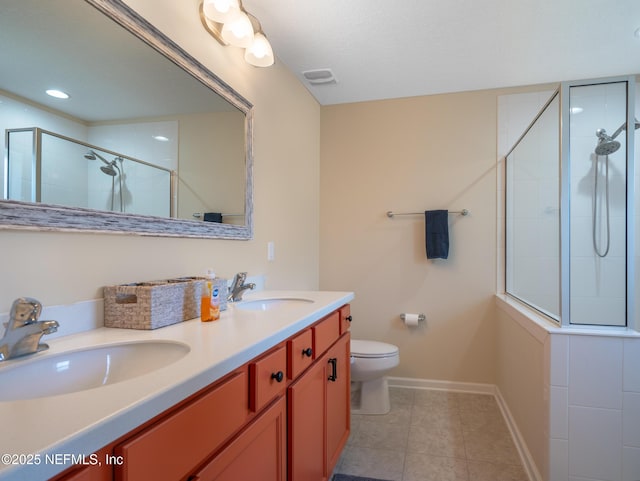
[[260, 53], [220, 10], [238, 31]]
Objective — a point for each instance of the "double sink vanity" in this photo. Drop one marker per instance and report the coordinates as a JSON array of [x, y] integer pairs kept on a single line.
[[263, 391]]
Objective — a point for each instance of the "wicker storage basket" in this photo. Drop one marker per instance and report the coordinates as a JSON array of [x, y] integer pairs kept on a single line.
[[154, 304]]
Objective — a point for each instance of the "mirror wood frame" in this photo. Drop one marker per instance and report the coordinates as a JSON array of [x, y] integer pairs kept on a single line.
[[45, 217]]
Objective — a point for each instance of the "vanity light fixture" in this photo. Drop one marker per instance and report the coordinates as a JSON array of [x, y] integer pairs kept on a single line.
[[230, 24], [59, 94]]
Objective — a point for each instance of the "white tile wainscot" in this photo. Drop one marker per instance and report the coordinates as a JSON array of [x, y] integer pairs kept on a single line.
[[592, 381]]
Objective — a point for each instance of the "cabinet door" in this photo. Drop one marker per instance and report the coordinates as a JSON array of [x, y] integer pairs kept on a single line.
[[338, 403], [306, 399], [101, 471], [258, 453], [173, 447]]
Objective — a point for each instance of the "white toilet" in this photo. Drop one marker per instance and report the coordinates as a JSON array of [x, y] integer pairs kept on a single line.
[[370, 361]]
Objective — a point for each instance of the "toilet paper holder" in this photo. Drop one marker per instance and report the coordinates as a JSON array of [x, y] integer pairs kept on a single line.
[[421, 317]]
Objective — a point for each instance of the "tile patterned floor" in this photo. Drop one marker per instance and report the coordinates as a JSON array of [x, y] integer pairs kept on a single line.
[[433, 436]]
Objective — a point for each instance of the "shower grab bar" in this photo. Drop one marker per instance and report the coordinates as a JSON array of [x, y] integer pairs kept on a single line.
[[391, 214]]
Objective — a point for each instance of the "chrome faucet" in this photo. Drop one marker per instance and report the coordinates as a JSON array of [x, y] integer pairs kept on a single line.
[[24, 330], [238, 287]]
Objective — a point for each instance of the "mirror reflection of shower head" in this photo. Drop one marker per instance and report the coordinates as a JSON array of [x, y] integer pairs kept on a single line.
[[109, 170], [93, 155]]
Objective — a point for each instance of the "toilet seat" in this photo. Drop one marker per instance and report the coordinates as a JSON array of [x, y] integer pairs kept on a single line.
[[372, 349]]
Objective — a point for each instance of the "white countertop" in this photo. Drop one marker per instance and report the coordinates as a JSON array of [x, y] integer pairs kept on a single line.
[[83, 422]]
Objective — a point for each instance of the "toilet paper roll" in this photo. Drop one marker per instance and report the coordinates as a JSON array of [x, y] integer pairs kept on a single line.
[[412, 319]]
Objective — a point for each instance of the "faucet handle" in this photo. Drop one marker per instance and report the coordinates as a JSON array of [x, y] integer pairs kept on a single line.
[[25, 310]]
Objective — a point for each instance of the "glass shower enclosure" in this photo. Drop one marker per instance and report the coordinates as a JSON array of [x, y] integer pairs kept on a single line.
[[571, 208], [50, 168]]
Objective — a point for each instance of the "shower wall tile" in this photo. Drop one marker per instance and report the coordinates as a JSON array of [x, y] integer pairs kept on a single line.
[[630, 464], [631, 420], [632, 364], [559, 360], [559, 460], [595, 372], [590, 310], [559, 412], [595, 448]]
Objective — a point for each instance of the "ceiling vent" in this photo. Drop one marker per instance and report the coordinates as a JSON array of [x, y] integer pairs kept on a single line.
[[322, 76]]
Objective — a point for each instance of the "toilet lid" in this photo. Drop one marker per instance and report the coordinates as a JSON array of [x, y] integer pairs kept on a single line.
[[360, 348]]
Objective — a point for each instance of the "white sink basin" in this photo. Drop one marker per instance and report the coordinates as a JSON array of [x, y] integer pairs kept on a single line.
[[80, 370], [272, 303]]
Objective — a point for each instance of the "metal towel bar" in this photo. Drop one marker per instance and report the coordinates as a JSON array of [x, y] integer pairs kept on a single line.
[[391, 214]]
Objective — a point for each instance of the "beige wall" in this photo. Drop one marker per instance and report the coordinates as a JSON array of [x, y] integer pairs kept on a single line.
[[411, 155], [61, 268], [522, 376], [212, 170]]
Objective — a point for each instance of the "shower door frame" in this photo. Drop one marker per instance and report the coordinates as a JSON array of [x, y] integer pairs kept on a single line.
[[565, 203]]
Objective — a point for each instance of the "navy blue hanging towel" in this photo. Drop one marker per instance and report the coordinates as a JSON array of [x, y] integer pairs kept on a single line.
[[437, 233], [212, 217]]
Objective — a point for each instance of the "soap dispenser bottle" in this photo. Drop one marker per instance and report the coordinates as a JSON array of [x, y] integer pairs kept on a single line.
[[215, 295], [205, 302]]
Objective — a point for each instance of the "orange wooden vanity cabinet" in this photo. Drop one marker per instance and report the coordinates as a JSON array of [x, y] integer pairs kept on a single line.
[[319, 405], [283, 416]]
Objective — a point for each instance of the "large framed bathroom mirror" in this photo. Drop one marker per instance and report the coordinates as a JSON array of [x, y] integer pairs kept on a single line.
[[147, 141]]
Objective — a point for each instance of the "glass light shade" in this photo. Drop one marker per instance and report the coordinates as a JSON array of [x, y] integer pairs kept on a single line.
[[238, 31], [260, 53], [220, 10]]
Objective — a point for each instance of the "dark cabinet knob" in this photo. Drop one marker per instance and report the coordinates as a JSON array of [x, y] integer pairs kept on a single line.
[[349, 318], [278, 376], [307, 352]]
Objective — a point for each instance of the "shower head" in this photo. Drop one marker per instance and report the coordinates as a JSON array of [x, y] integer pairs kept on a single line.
[[107, 169], [93, 155], [606, 144]]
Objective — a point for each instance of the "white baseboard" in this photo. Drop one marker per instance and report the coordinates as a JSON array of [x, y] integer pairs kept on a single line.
[[528, 463], [414, 383]]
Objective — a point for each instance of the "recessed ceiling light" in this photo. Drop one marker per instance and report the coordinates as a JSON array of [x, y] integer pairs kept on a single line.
[[161, 138], [59, 94]]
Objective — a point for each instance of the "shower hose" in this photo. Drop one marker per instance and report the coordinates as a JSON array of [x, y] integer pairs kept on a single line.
[[595, 206]]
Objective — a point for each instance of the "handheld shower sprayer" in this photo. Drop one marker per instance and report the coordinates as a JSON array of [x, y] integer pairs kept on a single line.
[[606, 146]]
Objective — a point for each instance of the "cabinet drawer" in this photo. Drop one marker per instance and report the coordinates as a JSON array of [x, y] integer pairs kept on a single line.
[[299, 353], [170, 449], [325, 333], [267, 378], [257, 453], [345, 318]]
